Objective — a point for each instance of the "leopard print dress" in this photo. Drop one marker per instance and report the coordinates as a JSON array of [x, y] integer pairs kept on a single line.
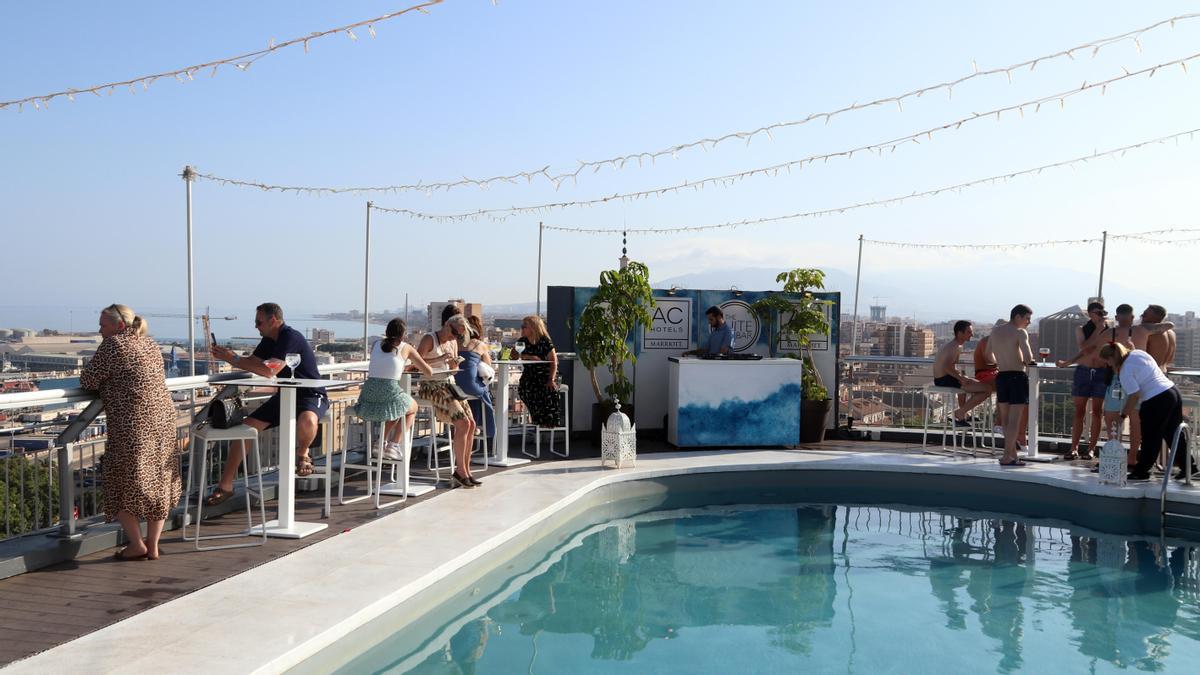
[[141, 464]]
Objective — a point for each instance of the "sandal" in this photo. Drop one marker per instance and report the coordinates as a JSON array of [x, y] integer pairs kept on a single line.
[[120, 555], [1070, 456], [218, 496], [1015, 462], [1085, 454], [304, 466]]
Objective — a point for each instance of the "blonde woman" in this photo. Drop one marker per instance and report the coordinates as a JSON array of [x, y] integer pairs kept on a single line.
[[538, 388], [140, 468], [442, 348], [1151, 395]]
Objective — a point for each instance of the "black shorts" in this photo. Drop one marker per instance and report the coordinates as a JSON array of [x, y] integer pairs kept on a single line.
[[1012, 387], [947, 381], [269, 411]]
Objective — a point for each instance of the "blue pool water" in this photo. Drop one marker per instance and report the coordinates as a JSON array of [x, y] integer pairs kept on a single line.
[[820, 589]]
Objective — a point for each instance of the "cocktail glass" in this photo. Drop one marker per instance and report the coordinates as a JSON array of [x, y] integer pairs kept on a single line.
[[275, 365], [1044, 354]]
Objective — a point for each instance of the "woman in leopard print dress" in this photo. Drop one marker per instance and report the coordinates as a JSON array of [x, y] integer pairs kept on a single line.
[[140, 466]]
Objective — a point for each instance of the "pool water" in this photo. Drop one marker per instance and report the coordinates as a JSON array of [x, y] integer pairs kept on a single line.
[[821, 588]]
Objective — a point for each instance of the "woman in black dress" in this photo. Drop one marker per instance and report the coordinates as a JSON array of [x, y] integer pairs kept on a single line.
[[538, 388]]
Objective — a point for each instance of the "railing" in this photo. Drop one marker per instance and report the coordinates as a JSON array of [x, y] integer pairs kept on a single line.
[[59, 489], [902, 405]]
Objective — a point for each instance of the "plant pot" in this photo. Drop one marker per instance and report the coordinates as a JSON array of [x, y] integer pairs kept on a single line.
[[812, 420], [600, 413]]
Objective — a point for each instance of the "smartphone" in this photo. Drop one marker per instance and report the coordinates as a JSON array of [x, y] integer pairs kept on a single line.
[[213, 337]]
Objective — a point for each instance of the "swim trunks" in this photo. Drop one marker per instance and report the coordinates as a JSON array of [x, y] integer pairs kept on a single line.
[[1089, 382], [986, 374], [947, 381], [1012, 387]]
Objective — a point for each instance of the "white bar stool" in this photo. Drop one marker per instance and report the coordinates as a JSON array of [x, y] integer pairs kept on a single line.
[[432, 442], [202, 436], [368, 465], [949, 399], [565, 392]]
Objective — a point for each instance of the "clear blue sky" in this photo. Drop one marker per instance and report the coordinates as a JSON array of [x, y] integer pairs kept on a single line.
[[92, 209]]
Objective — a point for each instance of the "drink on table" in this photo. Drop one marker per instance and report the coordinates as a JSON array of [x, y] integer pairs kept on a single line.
[[1044, 354]]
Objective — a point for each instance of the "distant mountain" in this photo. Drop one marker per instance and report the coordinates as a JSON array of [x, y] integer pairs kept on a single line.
[[937, 294]]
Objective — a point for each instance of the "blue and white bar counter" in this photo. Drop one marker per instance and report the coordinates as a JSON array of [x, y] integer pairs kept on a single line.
[[733, 403]]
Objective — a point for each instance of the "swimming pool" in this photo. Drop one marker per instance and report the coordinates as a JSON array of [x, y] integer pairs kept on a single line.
[[807, 587]]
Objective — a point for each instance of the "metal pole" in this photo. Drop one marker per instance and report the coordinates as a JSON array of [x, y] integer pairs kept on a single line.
[[406, 309], [857, 278], [1103, 252], [189, 175], [541, 228], [367, 286]]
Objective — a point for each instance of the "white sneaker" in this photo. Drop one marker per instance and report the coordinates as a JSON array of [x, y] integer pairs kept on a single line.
[[393, 451]]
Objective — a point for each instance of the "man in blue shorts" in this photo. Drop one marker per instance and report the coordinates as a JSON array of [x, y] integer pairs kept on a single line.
[[278, 340]]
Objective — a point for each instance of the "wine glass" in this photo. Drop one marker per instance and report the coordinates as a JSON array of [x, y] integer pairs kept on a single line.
[[292, 360], [519, 345], [1044, 353]]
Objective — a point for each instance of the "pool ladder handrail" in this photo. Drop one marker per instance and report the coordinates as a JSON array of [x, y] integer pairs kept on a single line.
[[1180, 432]]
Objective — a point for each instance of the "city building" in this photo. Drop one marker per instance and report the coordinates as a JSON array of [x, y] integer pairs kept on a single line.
[[878, 313], [468, 308], [322, 335], [918, 342], [1057, 331]]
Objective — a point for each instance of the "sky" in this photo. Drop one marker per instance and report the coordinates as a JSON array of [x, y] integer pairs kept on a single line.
[[92, 207]]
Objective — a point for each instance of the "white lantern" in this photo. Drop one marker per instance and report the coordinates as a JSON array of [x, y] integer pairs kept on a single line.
[[618, 439], [1113, 457]]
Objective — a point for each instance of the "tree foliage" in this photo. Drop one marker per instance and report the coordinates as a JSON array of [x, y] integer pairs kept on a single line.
[[622, 301], [28, 494], [804, 317]]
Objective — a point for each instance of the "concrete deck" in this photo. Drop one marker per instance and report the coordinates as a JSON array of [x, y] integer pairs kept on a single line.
[[275, 615]]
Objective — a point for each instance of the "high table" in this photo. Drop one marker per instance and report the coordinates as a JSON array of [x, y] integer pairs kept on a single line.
[[1035, 390], [286, 525], [500, 404]]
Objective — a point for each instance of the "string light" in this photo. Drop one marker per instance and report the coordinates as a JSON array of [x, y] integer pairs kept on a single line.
[[1139, 236], [502, 214], [1115, 152], [242, 61], [619, 162]]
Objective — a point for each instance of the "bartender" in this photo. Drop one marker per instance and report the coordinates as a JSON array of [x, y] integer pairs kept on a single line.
[[720, 339]]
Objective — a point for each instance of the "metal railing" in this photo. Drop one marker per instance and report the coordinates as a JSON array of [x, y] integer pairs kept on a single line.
[[58, 489], [900, 404]]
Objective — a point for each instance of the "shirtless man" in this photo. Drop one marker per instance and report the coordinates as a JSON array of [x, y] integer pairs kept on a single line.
[[985, 371], [945, 374], [1133, 337], [1160, 346], [1010, 348], [1090, 381]]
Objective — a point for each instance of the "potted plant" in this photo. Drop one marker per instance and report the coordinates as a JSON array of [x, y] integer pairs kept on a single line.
[[622, 301], [804, 317]]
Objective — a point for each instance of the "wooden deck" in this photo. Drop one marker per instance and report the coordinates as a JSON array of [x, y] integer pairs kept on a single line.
[[54, 605]]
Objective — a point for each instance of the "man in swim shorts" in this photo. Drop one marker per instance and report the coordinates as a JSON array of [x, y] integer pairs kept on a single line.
[[945, 374], [1010, 349]]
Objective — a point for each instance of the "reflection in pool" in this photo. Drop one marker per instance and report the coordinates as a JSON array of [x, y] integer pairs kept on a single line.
[[820, 588]]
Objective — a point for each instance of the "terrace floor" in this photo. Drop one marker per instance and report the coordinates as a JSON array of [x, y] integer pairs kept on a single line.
[[55, 605]]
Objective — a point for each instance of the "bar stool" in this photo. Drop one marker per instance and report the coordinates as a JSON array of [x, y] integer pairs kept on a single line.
[[565, 392], [481, 437], [325, 424], [368, 466], [202, 436], [431, 441], [948, 397]]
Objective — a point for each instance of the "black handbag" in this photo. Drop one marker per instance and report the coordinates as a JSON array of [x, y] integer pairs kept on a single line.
[[226, 413]]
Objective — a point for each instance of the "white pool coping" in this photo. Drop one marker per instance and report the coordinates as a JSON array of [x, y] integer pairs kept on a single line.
[[272, 617]]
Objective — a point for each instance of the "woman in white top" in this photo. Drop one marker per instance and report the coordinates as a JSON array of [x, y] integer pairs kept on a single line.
[[1161, 408], [382, 398]]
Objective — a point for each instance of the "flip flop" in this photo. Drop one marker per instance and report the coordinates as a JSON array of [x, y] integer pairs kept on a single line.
[[1015, 462], [1070, 456]]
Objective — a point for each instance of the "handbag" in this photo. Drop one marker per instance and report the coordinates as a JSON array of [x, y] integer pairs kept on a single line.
[[226, 413]]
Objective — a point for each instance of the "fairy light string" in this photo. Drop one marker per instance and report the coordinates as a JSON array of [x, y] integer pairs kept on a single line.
[[241, 62], [620, 161], [1114, 152]]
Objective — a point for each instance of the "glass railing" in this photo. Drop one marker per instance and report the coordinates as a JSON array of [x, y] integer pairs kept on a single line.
[[51, 478]]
